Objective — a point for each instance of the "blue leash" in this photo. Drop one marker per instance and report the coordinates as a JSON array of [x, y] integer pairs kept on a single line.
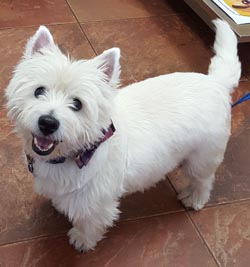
[[242, 99]]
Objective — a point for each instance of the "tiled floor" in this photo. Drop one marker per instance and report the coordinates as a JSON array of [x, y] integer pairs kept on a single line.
[[155, 37]]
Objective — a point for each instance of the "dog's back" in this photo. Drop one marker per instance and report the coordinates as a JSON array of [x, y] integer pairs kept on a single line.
[[181, 117]]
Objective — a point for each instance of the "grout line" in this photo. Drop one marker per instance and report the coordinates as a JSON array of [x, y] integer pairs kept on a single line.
[[149, 216], [172, 185], [79, 24], [232, 202], [131, 18], [31, 239], [82, 30], [176, 192], [203, 239], [87, 22], [37, 25]]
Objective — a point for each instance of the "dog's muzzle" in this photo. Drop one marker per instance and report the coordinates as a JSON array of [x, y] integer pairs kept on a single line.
[[43, 144]]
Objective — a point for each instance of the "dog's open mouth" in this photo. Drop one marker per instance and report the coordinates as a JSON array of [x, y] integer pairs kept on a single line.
[[43, 146]]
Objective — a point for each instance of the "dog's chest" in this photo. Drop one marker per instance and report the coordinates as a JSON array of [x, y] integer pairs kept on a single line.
[[58, 179]]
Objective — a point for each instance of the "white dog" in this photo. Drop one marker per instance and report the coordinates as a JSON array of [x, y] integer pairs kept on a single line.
[[87, 144]]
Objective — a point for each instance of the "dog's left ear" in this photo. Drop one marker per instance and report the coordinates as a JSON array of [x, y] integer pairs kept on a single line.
[[109, 63], [42, 38]]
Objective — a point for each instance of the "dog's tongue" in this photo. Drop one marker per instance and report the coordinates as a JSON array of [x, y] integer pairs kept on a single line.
[[43, 143]]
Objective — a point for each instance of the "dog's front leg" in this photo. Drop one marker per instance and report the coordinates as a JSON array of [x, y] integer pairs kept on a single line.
[[90, 229]]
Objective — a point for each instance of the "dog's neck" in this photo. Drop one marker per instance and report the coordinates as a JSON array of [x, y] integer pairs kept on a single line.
[[83, 156]]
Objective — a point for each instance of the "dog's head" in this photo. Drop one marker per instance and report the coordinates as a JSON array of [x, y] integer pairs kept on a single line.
[[58, 104]]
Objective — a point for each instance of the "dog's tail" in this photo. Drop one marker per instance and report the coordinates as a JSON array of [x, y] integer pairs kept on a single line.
[[225, 66]]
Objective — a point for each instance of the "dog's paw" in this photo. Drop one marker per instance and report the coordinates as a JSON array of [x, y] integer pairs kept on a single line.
[[192, 198], [77, 239]]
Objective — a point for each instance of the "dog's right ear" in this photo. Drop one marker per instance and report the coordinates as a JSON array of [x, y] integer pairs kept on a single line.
[[42, 38]]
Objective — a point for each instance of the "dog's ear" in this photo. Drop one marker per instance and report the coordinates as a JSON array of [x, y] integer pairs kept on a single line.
[[109, 63], [42, 38]]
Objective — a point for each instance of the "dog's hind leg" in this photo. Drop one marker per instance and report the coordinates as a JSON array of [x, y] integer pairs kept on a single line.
[[197, 193], [201, 167]]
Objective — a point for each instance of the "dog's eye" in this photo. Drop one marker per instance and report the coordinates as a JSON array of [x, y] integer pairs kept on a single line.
[[39, 91], [77, 104]]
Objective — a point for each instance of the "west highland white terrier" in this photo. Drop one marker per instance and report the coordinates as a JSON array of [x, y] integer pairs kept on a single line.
[[87, 143]]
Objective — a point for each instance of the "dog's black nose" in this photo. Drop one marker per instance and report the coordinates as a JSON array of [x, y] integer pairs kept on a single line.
[[48, 124]]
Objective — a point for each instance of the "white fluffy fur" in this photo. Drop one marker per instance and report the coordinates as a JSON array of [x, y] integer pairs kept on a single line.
[[160, 122]]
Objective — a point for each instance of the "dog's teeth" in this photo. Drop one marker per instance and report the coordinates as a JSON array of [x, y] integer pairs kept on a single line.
[[41, 148], [35, 141], [50, 146]]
